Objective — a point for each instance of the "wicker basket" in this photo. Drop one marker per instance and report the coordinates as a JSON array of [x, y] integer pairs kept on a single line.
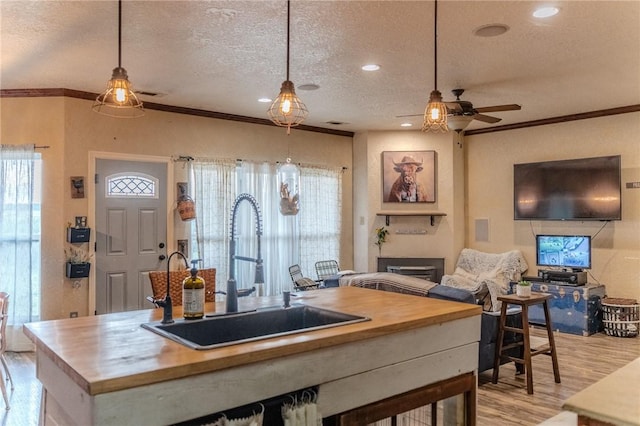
[[621, 317], [159, 284]]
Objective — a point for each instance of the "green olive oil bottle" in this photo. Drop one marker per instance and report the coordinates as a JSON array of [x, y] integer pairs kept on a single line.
[[193, 294]]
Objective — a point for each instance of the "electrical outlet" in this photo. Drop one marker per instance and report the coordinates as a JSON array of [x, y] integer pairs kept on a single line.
[[73, 315]]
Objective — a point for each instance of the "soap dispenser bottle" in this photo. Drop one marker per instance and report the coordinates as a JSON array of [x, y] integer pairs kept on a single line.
[[193, 294]]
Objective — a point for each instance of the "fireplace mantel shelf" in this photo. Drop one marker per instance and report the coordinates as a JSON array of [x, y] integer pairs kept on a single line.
[[432, 215]]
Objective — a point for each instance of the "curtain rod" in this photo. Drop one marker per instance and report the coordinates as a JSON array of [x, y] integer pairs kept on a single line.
[[41, 147], [279, 162], [238, 160]]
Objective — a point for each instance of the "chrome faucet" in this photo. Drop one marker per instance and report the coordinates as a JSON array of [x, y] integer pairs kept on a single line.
[[232, 288], [167, 315]]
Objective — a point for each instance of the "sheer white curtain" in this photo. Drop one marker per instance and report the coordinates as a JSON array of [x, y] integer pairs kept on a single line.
[[321, 223], [312, 235], [213, 183], [20, 186], [279, 239]]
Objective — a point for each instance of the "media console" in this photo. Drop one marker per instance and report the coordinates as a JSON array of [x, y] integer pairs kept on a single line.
[[573, 309]]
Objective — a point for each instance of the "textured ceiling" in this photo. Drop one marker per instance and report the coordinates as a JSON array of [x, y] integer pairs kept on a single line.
[[224, 55]]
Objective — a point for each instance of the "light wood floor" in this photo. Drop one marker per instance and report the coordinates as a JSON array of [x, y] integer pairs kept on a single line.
[[583, 361]]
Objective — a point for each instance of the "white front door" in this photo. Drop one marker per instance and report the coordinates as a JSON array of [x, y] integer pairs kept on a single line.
[[131, 231]]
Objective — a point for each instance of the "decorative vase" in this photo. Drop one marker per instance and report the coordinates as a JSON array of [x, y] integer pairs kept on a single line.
[[523, 290]]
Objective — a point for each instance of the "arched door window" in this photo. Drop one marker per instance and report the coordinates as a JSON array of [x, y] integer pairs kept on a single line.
[[129, 185]]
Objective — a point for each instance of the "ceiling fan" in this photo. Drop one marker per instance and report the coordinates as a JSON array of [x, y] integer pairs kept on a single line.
[[462, 112]]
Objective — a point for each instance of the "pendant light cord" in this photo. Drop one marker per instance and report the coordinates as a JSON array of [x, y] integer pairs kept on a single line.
[[288, 25], [119, 33], [435, 45]]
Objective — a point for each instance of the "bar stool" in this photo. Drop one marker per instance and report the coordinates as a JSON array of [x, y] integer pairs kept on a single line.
[[4, 316], [548, 349]]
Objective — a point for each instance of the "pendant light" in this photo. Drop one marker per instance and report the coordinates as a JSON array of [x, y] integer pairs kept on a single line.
[[287, 110], [435, 115], [119, 100], [289, 186]]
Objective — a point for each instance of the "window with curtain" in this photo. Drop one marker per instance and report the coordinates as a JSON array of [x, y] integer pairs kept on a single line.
[[20, 199], [312, 235]]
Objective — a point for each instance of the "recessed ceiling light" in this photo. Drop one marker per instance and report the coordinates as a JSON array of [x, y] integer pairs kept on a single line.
[[264, 100], [406, 125], [491, 30], [545, 12], [308, 87], [371, 67]]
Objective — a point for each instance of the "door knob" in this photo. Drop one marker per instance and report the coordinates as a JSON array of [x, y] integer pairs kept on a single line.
[[161, 245], [162, 257]]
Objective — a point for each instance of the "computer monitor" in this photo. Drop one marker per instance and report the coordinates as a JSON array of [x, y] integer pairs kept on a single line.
[[564, 251]]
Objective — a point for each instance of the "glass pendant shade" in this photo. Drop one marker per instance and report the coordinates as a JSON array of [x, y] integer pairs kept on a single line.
[[289, 187], [119, 100], [435, 114], [287, 110]]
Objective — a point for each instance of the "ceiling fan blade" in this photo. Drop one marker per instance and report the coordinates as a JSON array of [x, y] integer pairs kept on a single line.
[[496, 108], [486, 118]]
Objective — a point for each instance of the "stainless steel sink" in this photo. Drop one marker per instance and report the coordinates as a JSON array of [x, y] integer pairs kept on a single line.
[[225, 330]]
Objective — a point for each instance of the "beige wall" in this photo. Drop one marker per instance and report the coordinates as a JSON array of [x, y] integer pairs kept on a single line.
[[474, 182], [72, 131], [446, 238], [490, 159]]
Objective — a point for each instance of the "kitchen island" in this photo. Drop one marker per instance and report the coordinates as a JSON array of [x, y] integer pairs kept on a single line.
[[108, 370]]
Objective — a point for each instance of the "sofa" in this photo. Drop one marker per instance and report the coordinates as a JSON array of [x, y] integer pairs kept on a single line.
[[397, 283]]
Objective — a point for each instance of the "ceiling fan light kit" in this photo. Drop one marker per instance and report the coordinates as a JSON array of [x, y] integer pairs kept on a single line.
[[458, 122], [435, 114], [287, 110], [119, 100]]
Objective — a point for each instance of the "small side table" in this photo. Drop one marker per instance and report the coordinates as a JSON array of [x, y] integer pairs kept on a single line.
[[549, 349]]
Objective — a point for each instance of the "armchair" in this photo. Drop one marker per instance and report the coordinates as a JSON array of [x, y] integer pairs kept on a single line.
[[487, 275], [300, 282], [326, 269]]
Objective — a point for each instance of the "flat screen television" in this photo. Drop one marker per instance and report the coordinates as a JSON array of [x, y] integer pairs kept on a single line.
[[579, 189], [564, 251]]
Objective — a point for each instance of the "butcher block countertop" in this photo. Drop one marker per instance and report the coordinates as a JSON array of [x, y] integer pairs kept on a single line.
[[112, 352]]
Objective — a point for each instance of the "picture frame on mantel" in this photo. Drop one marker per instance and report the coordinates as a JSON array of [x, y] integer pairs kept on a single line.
[[409, 176]]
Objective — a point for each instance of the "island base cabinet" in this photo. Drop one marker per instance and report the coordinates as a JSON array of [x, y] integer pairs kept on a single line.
[[348, 375]]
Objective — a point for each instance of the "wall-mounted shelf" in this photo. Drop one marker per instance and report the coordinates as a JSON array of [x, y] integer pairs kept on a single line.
[[432, 215]]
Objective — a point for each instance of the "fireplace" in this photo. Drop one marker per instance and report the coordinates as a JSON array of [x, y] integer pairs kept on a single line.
[[421, 267]]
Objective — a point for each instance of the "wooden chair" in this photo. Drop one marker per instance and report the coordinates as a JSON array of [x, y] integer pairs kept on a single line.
[[4, 312], [300, 282], [326, 268], [159, 284]]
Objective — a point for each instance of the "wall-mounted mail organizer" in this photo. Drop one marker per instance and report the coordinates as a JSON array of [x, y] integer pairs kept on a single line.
[[78, 235]]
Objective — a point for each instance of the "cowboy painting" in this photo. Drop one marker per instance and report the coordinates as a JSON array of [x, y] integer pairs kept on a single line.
[[409, 177]]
